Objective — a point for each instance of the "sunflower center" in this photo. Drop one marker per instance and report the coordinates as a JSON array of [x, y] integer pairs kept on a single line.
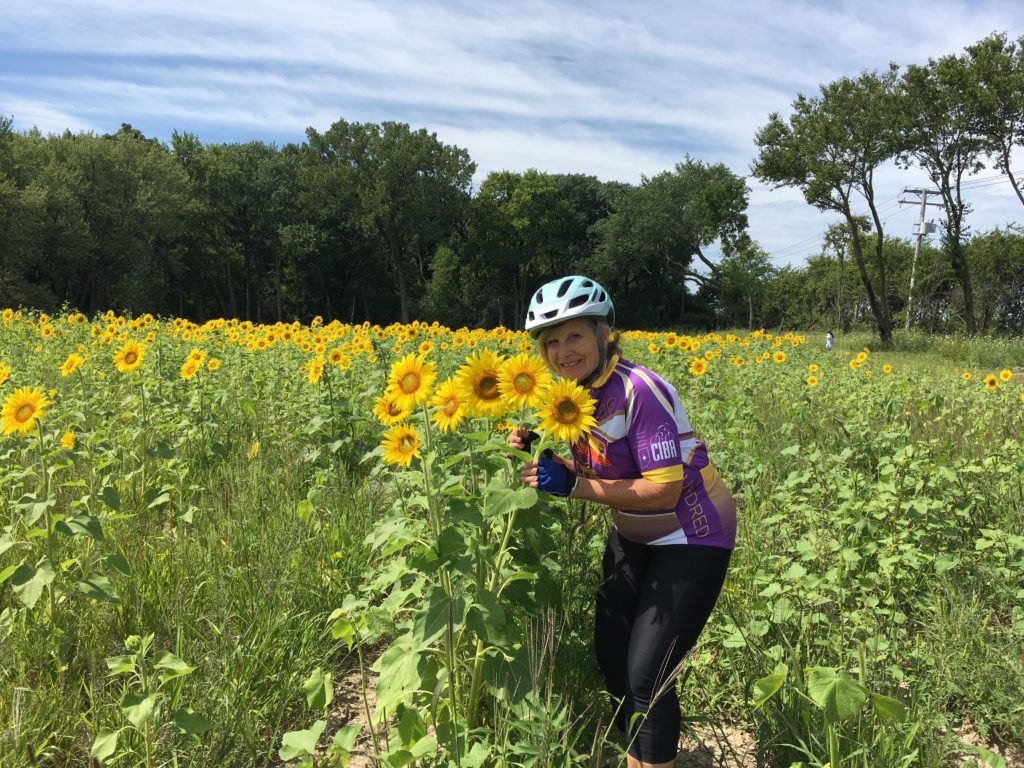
[[407, 445], [487, 386], [409, 383], [130, 357], [523, 382], [24, 413], [566, 411], [393, 409], [451, 405]]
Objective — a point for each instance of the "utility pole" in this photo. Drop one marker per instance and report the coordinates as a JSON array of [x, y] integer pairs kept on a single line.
[[922, 229]]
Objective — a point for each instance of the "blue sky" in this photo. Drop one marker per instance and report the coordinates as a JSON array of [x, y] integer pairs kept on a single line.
[[607, 88]]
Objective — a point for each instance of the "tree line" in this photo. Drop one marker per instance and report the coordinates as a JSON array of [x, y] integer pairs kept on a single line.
[[382, 222]]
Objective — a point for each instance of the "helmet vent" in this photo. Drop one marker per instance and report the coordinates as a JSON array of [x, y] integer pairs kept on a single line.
[[577, 301], [563, 288]]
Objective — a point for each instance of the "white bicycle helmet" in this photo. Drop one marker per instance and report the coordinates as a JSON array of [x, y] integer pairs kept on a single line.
[[565, 299]]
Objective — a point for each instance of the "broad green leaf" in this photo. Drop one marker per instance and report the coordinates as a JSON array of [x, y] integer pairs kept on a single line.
[[104, 745], [187, 721], [304, 510], [81, 524], [836, 692], [399, 678], [486, 618], [33, 508], [887, 707], [139, 709], [343, 629], [7, 572], [119, 563], [99, 587], [502, 500], [5, 543], [345, 738], [118, 665], [297, 743], [411, 727], [318, 689], [111, 498], [425, 746], [173, 666], [28, 583], [769, 685], [432, 619]]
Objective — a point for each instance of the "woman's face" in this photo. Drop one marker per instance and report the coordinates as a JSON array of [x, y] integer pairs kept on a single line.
[[572, 348]]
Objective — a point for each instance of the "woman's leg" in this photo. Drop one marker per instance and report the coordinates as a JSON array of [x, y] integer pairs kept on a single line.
[[624, 566], [681, 585]]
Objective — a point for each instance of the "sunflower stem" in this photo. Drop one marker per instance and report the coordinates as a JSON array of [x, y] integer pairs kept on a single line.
[[50, 551]]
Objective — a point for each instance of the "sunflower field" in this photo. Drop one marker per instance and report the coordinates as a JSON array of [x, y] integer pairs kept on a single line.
[[235, 544]]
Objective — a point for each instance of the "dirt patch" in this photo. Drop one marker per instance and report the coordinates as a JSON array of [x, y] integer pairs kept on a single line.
[[969, 735], [350, 708], [721, 747]]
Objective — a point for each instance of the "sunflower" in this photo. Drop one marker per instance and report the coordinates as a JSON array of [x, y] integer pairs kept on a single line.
[[966, 376], [400, 444], [991, 382], [813, 367], [477, 384], [314, 370], [189, 368], [129, 357], [855, 364], [411, 378], [568, 411], [67, 441], [21, 409], [812, 380], [779, 357], [389, 410], [1005, 375], [198, 355], [698, 366], [5, 372], [522, 380], [71, 364], [335, 355], [886, 368], [213, 364], [451, 408], [8, 315], [862, 356]]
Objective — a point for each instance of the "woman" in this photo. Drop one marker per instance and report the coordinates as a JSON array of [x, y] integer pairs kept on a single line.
[[675, 521]]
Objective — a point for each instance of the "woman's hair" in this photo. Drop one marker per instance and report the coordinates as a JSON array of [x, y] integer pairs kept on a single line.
[[600, 325]]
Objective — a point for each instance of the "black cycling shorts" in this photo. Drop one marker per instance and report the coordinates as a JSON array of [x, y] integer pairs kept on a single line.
[[652, 607]]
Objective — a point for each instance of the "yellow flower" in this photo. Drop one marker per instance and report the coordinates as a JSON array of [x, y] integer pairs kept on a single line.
[[698, 366], [8, 315], [254, 450], [389, 410], [198, 355], [991, 382], [862, 356], [813, 367], [568, 412], [426, 347], [314, 370], [71, 364], [451, 409], [886, 368], [410, 379], [21, 409], [477, 384], [855, 364], [966, 376], [213, 364], [67, 441], [189, 368], [812, 380], [522, 380], [779, 357], [5, 372], [129, 357], [1005, 375], [400, 444]]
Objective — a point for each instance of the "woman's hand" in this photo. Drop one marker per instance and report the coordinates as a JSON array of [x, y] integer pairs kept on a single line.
[[549, 475], [520, 439]]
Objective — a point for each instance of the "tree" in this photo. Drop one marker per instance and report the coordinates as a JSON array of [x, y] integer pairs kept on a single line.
[[649, 241], [998, 100], [829, 149], [944, 137], [409, 190]]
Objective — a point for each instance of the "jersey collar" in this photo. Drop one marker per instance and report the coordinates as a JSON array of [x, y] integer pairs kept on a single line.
[[606, 374]]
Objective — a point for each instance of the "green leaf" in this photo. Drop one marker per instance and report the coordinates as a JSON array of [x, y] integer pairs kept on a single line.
[[769, 685], [32, 507], [28, 583], [99, 587], [318, 689], [345, 739], [887, 707], [298, 743], [173, 666], [502, 500], [118, 665], [486, 618], [81, 524], [105, 744], [399, 677], [139, 709], [343, 629], [187, 721], [836, 692], [111, 498], [304, 510], [119, 563], [432, 619], [5, 543]]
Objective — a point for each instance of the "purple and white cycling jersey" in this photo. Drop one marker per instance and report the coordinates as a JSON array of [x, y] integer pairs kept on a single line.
[[642, 431]]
